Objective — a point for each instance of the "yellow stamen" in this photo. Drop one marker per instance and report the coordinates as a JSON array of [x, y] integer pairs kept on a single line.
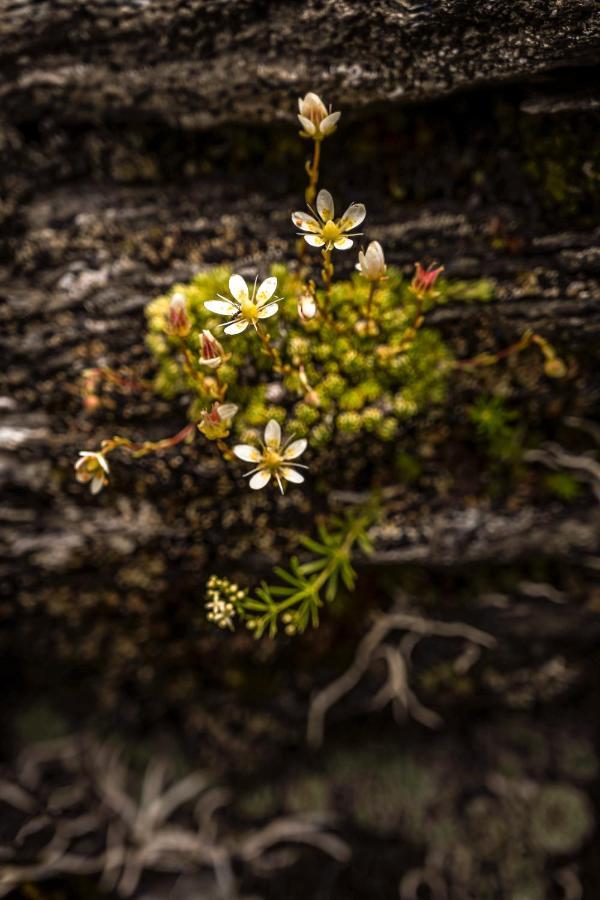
[[330, 231]]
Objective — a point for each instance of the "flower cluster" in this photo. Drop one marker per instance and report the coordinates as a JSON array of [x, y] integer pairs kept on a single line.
[[223, 598]]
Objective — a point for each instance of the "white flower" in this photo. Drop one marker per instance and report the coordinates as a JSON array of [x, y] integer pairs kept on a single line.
[[243, 309], [92, 467], [307, 306], [316, 122], [372, 263], [274, 458], [221, 612], [211, 351], [326, 231]]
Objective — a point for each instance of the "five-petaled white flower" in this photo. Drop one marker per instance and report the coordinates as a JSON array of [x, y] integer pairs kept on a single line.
[[316, 122], [372, 263], [244, 309], [274, 459], [92, 467], [326, 231]]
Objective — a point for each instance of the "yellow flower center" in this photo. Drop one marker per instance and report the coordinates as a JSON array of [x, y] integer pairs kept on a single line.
[[330, 231], [271, 459], [249, 310]]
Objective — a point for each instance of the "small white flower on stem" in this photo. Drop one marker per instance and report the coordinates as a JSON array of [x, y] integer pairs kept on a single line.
[[92, 467], [307, 306], [274, 458], [244, 309], [212, 354], [371, 264], [215, 423], [326, 231], [316, 122]]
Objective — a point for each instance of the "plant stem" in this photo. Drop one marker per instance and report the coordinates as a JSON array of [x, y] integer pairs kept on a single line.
[[327, 272], [141, 449], [372, 292], [271, 351], [313, 173], [490, 359]]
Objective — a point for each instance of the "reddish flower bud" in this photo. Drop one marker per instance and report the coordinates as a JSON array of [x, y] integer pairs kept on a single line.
[[211, 351], [178, 322], [424, 280]]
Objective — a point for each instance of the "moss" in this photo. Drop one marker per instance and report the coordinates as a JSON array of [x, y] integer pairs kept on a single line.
[[308, 793], [562, 485], [40, 722], [497, 427], [390, 790], [360, 380], [561, 819], [557, 157], [260, 803]]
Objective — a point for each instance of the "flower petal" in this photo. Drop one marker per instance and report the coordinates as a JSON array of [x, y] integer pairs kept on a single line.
[[221, 307], [259, 480], [307, 125], [314, 240], [247, 453], [329, 122], [238, 288], [295, 449], [236, 327], [314, 102], [291, 475], [343, 243], [266, 290], [273, 434], [97, 485], [353, 216], [268, 311], [227, 410], [305, 222], [325, 205]]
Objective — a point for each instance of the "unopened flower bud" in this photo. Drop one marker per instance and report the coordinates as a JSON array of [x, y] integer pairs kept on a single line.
[[316, 122], [372, 263], [555, 368], [424, 280], [216, 423], [307, 306], [211, 351], [178, 322]]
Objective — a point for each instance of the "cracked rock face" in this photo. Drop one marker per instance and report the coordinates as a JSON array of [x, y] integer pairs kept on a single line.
[[208, 62]]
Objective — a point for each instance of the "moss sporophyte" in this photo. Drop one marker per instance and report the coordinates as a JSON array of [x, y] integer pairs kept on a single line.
[[328, 358]]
